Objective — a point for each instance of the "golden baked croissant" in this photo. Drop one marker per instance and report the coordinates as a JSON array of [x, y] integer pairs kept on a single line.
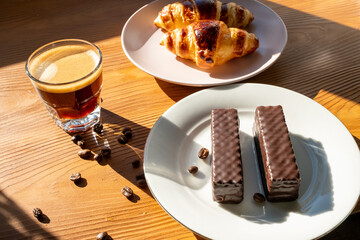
[[210, 42], [181, 14]]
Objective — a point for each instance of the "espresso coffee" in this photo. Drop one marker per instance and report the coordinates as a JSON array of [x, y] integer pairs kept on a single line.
[[70, 80]]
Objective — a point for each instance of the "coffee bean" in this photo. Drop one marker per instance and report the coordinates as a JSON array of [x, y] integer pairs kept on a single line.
[[106, 152], [128, 135], [102, 236], [75, 177], [84, 153], [203, 153], [136, 163], [259, 198], [127, 132], [76, 138], [140, 176], [126, 129], [127, 192], [141, 183], [37, 212], [98, 127], [123, 139], [98, 157], [81, 143], [193, 169]]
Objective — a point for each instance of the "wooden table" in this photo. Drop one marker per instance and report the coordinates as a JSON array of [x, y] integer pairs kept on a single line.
[[321, 61]]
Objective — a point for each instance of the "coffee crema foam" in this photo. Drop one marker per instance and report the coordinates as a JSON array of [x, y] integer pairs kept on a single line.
[[62, 66]]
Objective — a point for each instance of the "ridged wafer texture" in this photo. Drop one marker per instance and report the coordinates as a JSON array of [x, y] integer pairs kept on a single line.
[[226, 154], [280, 173], [281, 163]]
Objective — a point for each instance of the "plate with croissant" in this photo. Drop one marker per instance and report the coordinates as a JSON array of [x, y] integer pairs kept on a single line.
[[204, 42]]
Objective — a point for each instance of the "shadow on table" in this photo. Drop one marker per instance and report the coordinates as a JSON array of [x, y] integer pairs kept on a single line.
[[348, 230], [122, 155], [36, 23], [16, 224], [176, 92]]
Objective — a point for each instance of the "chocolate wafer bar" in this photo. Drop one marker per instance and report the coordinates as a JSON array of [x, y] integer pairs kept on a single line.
[[226, 165], [279, 171]]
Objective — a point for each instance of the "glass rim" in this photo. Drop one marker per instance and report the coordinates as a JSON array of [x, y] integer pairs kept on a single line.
[[74, 81]]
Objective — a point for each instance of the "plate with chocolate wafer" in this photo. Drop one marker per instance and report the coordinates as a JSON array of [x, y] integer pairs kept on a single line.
[[204, 43], [181, 177]]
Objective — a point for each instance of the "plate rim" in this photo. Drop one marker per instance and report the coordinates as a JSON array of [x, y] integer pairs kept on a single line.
[[269, 63], [155, 126]]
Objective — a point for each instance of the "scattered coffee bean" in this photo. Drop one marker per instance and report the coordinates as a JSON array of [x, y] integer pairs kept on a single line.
[[128, 135], [81, 143], [84, 153], [141, 183], [127, 132], [203, 153], [259, 198], [102, 236], [37, 212], [136, 163], [98, 127], [123, 139], [75, 177], [126, 129], [76, 138], [98, 157], [127, 192], [140, 176], [106, 152], [193, 169]]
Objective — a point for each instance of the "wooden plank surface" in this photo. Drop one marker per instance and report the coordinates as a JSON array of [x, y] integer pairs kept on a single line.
[[321, 61]]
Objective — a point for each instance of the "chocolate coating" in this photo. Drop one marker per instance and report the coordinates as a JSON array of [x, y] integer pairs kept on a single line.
[[226, 164], [279, 171]]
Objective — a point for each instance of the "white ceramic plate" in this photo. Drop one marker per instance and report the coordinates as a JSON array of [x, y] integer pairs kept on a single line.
[[327, 156], [141, 43]]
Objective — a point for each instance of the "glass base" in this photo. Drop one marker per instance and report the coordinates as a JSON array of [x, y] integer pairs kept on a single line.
[[80, 124]]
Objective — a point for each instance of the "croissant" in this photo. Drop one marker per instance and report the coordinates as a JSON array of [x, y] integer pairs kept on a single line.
[[209, 43], [181, 14]]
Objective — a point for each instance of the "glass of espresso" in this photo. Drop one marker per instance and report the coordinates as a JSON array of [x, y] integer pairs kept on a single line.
[[67, 74]]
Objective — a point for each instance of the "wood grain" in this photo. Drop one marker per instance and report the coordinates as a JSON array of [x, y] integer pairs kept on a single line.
[[320, 61]]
